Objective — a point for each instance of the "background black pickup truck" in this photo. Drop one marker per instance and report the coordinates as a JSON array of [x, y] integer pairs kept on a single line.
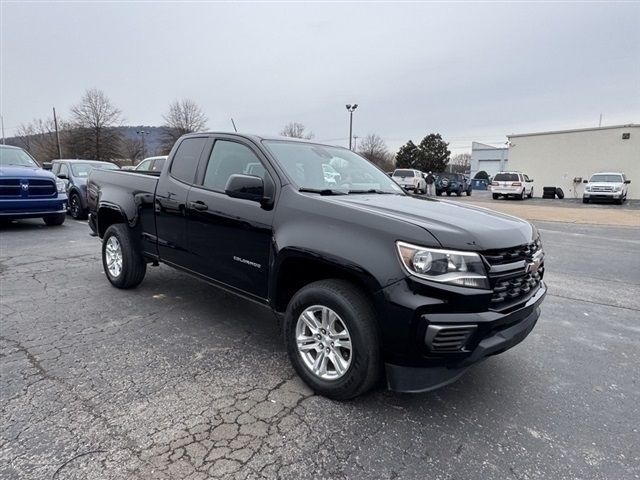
[[368, 281]]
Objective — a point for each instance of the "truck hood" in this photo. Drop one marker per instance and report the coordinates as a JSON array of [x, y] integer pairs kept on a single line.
[[455, 226], [16, 171]]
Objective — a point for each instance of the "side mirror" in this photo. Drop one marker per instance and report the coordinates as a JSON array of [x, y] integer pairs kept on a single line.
[[531, 179], [585, 181], [47, 165], [246, 187], [63, 176], [627, 181]]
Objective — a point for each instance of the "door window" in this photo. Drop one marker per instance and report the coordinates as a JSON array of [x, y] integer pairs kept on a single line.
[[185, 160], [64, 170], [230, 158], [55, 168], [144, 165]]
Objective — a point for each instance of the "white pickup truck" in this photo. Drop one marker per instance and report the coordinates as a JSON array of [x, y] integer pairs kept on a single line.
[[610, 186], [410, 179]]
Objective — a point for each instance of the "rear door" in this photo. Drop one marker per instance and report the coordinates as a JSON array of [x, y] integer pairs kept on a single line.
[[171, 201], [230, 238]]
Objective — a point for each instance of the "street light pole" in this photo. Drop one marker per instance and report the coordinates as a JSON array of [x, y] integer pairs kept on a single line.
[[350, 109], [143, 133]]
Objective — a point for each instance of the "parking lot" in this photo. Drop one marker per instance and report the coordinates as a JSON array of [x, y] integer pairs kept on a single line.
[[176, 379]]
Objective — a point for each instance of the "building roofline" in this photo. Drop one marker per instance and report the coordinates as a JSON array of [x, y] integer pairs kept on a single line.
[[575, 130]]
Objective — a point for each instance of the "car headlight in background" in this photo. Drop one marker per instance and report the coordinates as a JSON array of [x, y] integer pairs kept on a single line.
[[464, 269], [618, 188], [62, 188], [587, 188]]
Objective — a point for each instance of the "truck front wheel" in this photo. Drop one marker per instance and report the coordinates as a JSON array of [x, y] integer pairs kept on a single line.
[[122, 261], [332, 339]]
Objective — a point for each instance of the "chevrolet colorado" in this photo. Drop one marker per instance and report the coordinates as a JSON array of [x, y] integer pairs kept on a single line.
[[368, 282]]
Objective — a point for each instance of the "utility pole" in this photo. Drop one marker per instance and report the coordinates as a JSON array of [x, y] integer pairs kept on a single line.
[[143, 133], [2, 121], [234, 125], [55, 123], [350, 109], [355, 143], [600, 123]]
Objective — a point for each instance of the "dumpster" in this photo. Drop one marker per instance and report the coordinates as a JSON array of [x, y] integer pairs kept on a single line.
[[479, 184]]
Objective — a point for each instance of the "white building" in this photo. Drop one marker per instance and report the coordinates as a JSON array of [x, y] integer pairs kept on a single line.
[[564, 158], [490, 159]]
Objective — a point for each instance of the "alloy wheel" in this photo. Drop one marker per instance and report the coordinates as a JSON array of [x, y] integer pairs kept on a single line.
[[324, 342], [113, 255]]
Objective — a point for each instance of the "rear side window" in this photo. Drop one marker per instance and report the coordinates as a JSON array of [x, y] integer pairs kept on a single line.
[[403, 173], [506, 177], [185, 160], [158, 164]]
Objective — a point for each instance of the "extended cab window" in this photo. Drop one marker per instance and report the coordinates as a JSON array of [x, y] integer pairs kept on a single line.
[[185, 160], [230, 158]]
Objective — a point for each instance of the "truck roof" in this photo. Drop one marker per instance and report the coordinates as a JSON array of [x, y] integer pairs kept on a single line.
[[256, 137]]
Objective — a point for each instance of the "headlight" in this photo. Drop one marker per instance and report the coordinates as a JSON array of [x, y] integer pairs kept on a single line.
[[465, 269], [62, 188], [587, 188], [618, 188]]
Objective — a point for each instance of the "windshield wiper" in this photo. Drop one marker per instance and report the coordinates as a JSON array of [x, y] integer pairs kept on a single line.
[[374, 190], [322, 191]]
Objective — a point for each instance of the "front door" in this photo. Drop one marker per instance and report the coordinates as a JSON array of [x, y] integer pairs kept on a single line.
[[230, 238]]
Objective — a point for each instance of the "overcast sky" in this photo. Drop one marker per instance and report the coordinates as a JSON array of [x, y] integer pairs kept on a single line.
[[468, 71]]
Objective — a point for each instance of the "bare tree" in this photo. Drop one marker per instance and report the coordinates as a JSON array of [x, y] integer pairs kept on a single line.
[[296, 130], [461, 163], [38, 138], [184, 116], [93, 122], [373, 148], [131, 149]]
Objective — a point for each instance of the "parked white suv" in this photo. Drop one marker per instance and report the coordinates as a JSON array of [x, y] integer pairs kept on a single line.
[[606, 186], [410, 179], [512, 184]]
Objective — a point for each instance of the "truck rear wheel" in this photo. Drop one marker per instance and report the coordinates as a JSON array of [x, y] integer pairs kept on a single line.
[[332, 339], [122, 261]]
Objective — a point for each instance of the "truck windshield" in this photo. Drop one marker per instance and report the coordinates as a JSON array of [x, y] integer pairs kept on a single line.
[[84, 169], [306, 164], [606, 178], [14, 156]]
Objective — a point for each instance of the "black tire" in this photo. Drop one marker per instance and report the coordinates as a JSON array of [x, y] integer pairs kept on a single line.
[[530, 193], [585, 200], [355, 310], [55, 219], [134, 266], [521, 196], [559, 193], [618, 201], [448, 193], [468, 192], [439, 193], [459, 192], [75, 207], [496, 196]]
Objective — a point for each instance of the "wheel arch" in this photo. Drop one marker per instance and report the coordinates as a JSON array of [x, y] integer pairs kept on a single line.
[[109, 214], [293, 269]]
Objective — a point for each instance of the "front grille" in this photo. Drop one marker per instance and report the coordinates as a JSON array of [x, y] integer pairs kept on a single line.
[[602, 189], [35, 188], [517, 287], [511, 255], [515, 273], [445, 338]]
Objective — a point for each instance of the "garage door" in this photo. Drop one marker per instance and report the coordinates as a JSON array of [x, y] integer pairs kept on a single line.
[[491, 166]]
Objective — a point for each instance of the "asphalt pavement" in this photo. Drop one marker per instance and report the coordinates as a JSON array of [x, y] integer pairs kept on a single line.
[[176, 379]]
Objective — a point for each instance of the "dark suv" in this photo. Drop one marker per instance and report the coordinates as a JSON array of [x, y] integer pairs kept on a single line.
[[74, 174], [452, 183]]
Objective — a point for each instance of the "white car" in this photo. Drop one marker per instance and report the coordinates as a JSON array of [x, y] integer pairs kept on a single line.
[[512, 184], [152, 164], [410, 179], [606, 186]]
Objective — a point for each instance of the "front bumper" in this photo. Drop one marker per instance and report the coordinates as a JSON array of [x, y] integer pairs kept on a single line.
[[33, 207], [603, 195], [492, 332]]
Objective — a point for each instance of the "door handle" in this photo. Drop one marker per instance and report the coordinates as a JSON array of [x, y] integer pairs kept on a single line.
[[198, 205]]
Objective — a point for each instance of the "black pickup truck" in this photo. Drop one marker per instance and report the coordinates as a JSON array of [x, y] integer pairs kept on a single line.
[[368, 282]]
